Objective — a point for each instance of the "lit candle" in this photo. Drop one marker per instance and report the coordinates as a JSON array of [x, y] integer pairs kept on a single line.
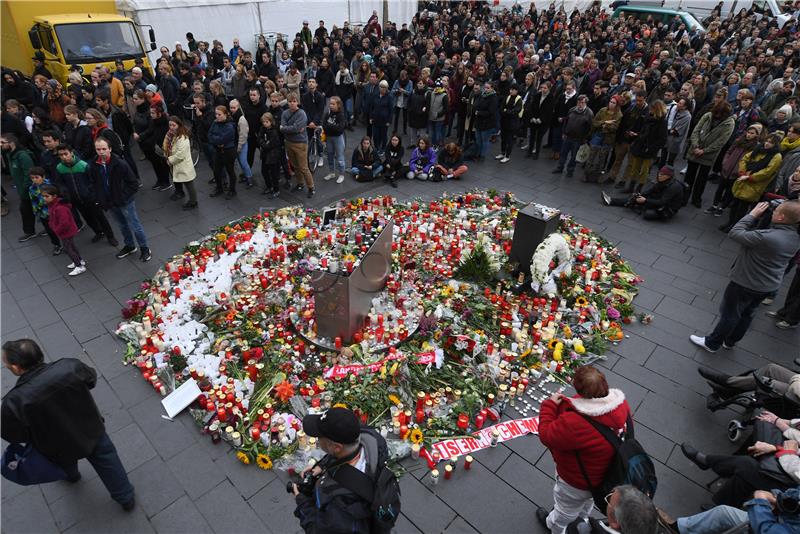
[[415, 451], [468, 462], [448, 472], [434, 476]]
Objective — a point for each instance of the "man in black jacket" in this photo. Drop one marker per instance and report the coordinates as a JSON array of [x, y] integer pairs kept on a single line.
[[313, 103], [329, 506], [576, 128], [114, 187], [253, 108], [52, 408], [659, 200]]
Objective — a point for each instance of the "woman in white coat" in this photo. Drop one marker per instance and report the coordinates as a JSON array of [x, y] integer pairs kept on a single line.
[[178, 152]]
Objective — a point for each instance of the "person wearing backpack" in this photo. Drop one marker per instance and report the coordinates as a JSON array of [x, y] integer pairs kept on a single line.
[[353, 489], [581, 453]]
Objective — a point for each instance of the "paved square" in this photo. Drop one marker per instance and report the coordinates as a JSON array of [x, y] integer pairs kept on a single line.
[[184, 483]]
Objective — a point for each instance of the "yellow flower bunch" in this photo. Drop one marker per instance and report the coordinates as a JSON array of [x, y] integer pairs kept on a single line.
[[567, 331], [394, 398], [244, 458], [221, 236], [340, 405], [577, 345], [558, 351], [446, 291], [264, 462], [416, 436]]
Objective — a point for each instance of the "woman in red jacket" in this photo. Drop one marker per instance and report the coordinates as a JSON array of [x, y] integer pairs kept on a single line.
[[564, 429]]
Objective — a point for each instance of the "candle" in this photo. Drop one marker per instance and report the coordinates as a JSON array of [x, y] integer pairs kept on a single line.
[[434, 476], [468, 462], [448, 472], [236, 438], [495, 438], [415, 451]]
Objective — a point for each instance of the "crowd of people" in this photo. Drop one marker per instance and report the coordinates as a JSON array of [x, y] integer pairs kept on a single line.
[[630, 101]]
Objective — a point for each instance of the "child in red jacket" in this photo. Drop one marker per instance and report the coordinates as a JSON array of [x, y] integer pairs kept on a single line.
[[63, 225]]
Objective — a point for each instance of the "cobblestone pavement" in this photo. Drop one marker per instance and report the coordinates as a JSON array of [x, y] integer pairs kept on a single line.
[[184, 483]]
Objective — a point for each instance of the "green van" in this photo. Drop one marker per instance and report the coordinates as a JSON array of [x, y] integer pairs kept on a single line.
[[657, 14]]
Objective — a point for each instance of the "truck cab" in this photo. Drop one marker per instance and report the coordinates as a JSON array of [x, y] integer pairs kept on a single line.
[[87, 40]]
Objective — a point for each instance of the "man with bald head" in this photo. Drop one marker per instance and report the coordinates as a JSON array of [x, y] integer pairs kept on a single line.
[[757, 271]]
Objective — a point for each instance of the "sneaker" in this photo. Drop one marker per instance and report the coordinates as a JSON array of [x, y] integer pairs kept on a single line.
[[719, 212], [130, 505], [43, 233], [329, 176], [768, 301], [163, 188], [146, 254], [113, 242], [126, 251], [310, 192], [299, 187], [340, 179], [505, 159], [72, 265], [700, 341], [26, 237], [772, 314], [320, 161], [606, 198], [58, 249], [711, 210], [156, 187], [683, 170], [98, 237], [80, 269], [499, 156], [275, 194], [785, 325], [726, 346], [557, 170], [524, 147], [189, 206]]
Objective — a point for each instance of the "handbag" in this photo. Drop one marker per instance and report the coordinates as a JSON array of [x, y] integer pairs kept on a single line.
[[583, 153], [26, 466]]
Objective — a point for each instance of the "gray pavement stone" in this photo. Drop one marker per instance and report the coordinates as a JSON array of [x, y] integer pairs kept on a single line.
[[459, 526], [275, 507], [11, 316], [180, 517], [20, 509], [528, 480], [133, 446], [60, 294], [247, 479], [422, 508], [156, 486], [38, 311], [226, 510], [195, 470]]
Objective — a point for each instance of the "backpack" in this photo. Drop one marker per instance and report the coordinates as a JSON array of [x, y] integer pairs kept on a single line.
[[629, 465], [383, 493]]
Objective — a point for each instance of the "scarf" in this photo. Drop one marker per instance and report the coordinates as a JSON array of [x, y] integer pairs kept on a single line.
[[169, 140], [755, 165], [788, 145]]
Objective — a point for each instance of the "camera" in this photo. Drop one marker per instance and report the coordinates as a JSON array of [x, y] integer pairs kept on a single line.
[[305, 485], [787, 504]]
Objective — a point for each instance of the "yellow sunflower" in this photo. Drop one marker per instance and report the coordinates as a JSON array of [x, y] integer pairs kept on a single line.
[[264, 462], [244, 458], [416, 436], [581, 301], [552, 344]]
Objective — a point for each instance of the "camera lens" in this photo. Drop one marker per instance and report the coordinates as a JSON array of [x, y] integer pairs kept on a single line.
[[290, 487]]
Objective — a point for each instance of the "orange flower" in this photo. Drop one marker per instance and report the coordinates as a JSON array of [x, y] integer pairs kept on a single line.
[[284, 391]]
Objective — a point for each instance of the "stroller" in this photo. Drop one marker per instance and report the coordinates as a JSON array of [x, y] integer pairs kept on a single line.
[[747, 403]]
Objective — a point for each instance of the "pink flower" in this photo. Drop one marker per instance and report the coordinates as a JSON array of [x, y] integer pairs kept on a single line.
[[612, 313]]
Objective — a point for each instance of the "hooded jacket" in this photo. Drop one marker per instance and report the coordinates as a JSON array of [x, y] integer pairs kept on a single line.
[[73, 180], [564, 431], [711, 137], [422, 161], [60, 220]]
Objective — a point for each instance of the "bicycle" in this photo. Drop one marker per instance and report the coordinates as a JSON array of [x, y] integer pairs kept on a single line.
[[194, 142], [316, 149]]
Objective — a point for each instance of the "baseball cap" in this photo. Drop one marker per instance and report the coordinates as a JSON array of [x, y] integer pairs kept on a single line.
[[337, 424], [152, 88]]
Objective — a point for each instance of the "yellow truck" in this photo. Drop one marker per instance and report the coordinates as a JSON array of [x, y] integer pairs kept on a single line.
[[67, 33]]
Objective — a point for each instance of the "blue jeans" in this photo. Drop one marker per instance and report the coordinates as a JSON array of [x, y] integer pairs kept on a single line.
[[348, 108], [377, 169], [482, 138], [334, 146], [128, 220], [242, 158], [718, 519], [569, 149], [736, 312], [106, 462], [437, 132]]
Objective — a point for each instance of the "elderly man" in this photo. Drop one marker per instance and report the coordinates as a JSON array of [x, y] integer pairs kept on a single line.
[[757, 271], [629, 511]]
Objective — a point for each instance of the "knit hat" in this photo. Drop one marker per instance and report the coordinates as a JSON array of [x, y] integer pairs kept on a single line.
[[667, 169], [383, 83], [757, 126], [786, 109], [152, 88]]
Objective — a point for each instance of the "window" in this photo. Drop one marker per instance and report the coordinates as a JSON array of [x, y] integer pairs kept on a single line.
[[98, 41]]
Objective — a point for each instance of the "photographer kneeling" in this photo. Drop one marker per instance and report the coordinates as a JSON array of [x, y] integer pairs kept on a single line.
[[660, 200], [350, 489]]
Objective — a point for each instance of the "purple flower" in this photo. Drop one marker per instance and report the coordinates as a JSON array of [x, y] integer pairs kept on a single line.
[[613, 313]]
